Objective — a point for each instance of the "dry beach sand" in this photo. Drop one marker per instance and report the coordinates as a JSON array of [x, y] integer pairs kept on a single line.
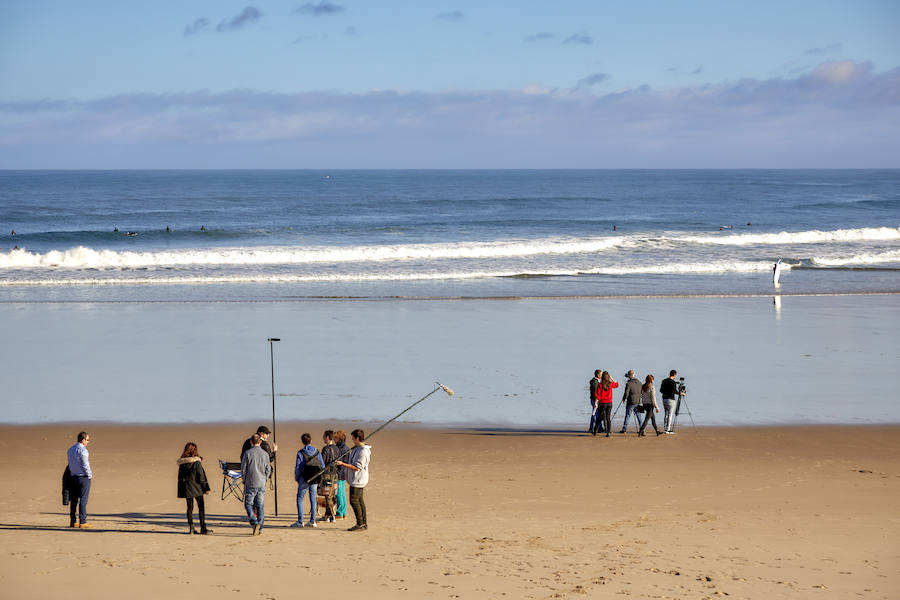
[[788, 512]]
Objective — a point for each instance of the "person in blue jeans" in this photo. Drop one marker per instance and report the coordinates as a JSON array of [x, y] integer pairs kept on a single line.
[[255, 471], [307, 473]]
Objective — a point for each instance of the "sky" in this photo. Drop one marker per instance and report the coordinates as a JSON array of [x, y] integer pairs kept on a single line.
[[456, 84]]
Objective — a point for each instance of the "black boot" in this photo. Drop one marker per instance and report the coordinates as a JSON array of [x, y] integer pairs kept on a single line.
[[191, 529]]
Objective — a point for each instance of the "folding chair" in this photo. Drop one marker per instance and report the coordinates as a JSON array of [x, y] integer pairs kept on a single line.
[[232, 484]]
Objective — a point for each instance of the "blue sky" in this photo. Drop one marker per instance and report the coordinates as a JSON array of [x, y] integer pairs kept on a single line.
[[421, 84]]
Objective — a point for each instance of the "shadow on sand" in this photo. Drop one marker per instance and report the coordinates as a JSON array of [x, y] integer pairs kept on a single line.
[[143, 522], [521, 431]]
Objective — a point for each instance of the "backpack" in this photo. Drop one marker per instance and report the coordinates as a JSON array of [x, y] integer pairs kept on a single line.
[[309, 469]]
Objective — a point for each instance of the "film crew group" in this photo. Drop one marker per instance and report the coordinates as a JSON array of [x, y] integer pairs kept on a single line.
[[318, 474], [637, 398], [330, 478]]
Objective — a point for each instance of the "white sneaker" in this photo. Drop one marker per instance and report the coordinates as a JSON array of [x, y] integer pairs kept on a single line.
[[311, 524], [296, 524]]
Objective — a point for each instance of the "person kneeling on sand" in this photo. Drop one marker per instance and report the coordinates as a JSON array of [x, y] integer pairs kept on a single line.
[[192, 484], [255, 471], [359, 477]]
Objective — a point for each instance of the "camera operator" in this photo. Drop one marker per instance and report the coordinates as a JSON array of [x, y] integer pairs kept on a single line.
[[669, 390], [631, 398]]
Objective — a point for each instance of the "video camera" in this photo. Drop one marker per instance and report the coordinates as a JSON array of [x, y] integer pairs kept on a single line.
[[682, 390]]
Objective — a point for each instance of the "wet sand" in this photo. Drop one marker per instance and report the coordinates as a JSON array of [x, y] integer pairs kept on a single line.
[[785, 512]]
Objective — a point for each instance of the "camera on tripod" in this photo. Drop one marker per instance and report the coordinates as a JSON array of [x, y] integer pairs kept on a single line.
[[682, 389]]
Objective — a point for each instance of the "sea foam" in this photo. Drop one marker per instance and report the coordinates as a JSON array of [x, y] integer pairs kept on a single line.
[[89, 258]]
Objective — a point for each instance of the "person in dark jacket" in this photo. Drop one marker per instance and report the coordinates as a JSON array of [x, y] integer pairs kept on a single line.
[[192, 484], [263, 432], [631, 398], [328, 485], [340, 441], [592, 398]]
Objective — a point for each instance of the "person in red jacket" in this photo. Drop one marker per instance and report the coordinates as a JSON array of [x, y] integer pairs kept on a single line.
[[604, 400]]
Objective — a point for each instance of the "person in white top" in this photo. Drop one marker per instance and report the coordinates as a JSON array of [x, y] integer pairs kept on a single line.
[[359, 477], [648, 400]]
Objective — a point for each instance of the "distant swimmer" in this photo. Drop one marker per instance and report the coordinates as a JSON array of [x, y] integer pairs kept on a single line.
[[749, 224], [614, 227], [13, 232], [131, 233], [203, 228], [115, 230], [168, 230]]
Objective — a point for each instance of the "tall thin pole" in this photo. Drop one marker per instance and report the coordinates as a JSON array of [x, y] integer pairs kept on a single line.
[[274, 437]]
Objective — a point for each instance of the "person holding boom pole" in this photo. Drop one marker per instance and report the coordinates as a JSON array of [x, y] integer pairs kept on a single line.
[[359, 461], [359, 477]]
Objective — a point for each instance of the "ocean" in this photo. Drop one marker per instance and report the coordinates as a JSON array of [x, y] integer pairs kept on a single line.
[[148, 296], [236, 235]]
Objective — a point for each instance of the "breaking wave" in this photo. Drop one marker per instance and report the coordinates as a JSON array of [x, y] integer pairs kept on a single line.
[[88, 258]]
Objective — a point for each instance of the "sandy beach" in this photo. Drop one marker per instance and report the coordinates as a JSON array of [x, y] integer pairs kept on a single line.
[[786, 512]]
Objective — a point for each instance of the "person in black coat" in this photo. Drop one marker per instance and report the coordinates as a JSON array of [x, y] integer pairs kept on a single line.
[[192, 484]]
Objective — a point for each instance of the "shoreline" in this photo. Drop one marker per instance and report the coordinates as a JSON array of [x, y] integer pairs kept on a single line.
[[298, 299], [420, 425]]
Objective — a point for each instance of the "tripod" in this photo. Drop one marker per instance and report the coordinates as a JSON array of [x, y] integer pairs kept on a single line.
[[682, 402], [637, 416]]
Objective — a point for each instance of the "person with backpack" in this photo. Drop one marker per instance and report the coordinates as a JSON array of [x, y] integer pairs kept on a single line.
[[307, 473]]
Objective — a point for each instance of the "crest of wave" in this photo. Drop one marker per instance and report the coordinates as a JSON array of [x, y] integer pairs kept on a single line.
[[865, 258], [868, 234], [87, 258]]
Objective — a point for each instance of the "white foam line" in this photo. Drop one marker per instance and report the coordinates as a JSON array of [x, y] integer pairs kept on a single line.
[[799, 237], [866, 258], [694, 268], [88, 258]]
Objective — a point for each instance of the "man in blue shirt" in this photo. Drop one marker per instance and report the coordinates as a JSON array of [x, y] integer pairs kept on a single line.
[[80, 468], [307, 473]]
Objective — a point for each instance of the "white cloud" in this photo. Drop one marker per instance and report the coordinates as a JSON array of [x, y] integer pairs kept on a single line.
[[841, 113]]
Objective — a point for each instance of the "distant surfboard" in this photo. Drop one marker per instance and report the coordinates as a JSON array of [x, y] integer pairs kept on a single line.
[[776, 275]]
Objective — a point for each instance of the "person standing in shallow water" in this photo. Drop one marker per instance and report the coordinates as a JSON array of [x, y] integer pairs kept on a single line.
[[192, 485]]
